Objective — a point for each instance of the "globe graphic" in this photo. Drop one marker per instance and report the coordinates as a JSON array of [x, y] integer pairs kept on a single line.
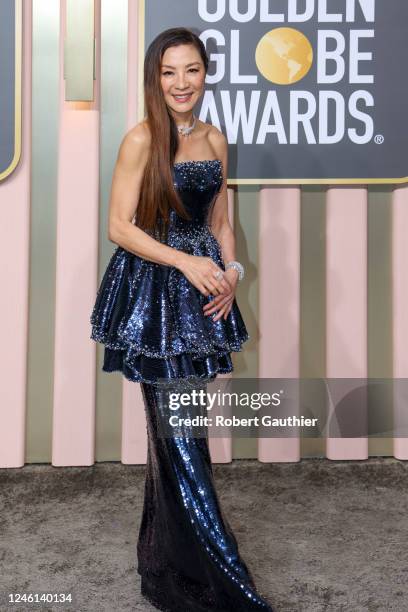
[[284, 56]]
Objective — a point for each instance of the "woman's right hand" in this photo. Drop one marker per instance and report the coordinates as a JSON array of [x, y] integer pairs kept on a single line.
[[201, 271]]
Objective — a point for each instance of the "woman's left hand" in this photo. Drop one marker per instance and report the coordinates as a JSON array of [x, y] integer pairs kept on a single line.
[[223, 302]]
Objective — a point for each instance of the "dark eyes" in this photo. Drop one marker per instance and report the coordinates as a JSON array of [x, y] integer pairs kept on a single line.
[[190, 70]]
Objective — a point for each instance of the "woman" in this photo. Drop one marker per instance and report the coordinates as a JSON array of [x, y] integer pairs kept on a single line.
[[167, 314]]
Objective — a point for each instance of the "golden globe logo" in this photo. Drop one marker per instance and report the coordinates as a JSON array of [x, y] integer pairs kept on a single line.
[[284, 56]]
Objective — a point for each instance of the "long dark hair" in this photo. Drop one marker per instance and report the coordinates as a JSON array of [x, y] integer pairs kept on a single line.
[[157, 194]]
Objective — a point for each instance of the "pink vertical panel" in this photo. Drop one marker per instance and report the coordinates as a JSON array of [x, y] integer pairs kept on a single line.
[[14, 243], [134, 435], [221, 448], [346, 305], [279, 301], [400, 315], [77, 265], [133, 62], [134, 438]]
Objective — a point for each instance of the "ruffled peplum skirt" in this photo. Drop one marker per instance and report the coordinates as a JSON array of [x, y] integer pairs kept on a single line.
[[150, 319]]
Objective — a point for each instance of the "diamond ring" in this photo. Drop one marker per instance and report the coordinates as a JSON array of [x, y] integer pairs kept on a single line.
[[219, 275]]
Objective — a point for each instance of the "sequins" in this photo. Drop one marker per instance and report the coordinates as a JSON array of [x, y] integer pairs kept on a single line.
[[188, 556], [149, 316], [198, 174]]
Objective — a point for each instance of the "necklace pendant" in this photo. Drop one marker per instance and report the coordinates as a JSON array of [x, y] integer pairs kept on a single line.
[[185, 130]]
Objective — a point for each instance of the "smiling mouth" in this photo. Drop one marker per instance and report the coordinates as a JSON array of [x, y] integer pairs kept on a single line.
[[183, 98]]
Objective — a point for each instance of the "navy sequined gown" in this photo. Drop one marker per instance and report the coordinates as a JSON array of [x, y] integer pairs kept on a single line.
[[150, 319]]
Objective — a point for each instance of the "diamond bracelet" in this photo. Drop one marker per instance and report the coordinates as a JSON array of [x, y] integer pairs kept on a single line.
[[238, 267]]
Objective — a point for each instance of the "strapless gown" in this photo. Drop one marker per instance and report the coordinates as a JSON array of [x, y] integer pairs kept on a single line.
[[150, 319]]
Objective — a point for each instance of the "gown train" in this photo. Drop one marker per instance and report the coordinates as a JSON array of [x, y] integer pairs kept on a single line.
[[188, 556]]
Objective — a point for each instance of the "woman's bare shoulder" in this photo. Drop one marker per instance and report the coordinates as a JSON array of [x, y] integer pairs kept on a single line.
[[135, 144], [217, 140], [140, 134], [208, 129]]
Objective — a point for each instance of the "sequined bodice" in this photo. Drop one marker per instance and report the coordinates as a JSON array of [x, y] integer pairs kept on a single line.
[[198, 183]]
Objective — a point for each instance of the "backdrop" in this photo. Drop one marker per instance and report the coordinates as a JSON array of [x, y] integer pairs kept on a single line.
[[325, 292]]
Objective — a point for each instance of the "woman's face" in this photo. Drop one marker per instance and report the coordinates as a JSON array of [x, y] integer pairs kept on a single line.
[[182, 78]]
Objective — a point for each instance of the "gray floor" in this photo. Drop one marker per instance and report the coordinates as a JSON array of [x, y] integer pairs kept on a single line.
[[317, 535]]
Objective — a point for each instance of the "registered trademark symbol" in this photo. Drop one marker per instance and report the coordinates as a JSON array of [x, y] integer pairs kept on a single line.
[[379, 139]]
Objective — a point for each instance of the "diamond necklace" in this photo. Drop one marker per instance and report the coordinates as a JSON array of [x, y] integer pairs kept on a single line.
[[185, 130]]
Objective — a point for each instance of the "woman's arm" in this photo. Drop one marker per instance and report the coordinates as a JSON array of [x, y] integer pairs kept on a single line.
[[222, 230], [220, 225], [125, 192]]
